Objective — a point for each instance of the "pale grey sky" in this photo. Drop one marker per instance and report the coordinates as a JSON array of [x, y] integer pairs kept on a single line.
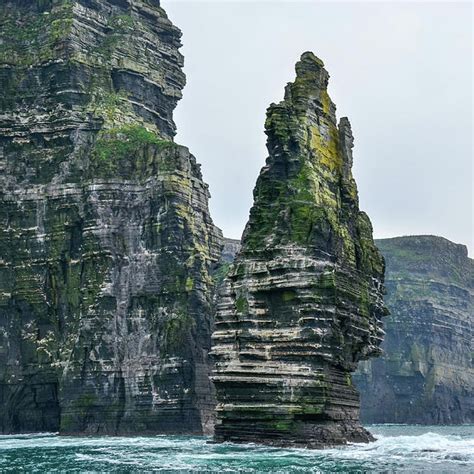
[[401, 72]]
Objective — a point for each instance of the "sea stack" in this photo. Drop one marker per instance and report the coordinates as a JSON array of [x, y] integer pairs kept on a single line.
[[302, 304], [426, 374], [106, 243]]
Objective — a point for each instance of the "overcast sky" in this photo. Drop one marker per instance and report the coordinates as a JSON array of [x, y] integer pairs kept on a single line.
[[401, 72]]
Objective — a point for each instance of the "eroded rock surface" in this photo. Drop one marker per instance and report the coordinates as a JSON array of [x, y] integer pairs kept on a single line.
[[106, 242], [426, 374], [302, 304]]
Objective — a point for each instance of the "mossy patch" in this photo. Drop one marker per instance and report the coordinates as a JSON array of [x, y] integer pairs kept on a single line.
[[288, 295], [241, 304], [221, 272], [115, 147], [189, 285], [326, 146], [175, 331], [28, 36]]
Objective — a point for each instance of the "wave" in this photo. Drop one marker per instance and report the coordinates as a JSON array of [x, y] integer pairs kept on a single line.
[[432, 446], [397, 449]]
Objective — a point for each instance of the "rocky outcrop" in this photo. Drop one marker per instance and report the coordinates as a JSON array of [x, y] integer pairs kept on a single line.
[[106, 243], [426, 374], [302, 304]]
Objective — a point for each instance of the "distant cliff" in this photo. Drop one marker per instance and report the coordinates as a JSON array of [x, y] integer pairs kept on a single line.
[[230, 250], [426, 374], [106, 243], [302, 303]]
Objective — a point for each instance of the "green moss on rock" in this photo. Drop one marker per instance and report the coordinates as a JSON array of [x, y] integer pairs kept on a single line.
[[303, 301]]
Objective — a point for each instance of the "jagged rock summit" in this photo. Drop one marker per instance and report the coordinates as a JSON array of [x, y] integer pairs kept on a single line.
[[106, 242], [426, 374], [302, 304]]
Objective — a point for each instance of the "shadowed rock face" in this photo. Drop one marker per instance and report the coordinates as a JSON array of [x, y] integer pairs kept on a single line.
[[302, 303], [106, 242], [426, 373]]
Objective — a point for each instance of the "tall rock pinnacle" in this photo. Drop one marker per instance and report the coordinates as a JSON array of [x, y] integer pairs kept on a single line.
[[303, 301], [106, 242]]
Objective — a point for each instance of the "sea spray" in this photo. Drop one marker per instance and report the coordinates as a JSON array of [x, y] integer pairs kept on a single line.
[[397, 448]]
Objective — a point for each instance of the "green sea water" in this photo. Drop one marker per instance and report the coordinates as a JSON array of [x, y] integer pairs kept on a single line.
[[398, 448]]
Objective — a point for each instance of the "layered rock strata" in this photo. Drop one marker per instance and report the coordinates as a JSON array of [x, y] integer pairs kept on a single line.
[[106, 242], [426, 374], [302, 303]]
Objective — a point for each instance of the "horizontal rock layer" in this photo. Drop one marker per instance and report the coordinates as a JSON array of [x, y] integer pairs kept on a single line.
[[106, 243], [302, 302], [426, 374]]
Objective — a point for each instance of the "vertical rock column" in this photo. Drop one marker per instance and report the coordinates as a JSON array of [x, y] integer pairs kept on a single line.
[[106, 242], [303, 301]]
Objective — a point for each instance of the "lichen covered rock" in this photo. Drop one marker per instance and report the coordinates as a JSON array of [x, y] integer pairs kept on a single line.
[[302, 304], [106, 242], [426, 374]]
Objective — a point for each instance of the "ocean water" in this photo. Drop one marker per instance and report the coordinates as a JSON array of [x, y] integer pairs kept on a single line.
[[399, 448]]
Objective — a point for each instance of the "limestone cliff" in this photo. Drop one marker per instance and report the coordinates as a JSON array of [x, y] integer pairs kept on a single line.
[[230, 250], [302, 304], [106, 242], [426, 374]]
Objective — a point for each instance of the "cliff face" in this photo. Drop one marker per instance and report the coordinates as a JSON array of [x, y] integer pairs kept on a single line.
[[426, 374], [230, 250], [106, 242], [303, 301]]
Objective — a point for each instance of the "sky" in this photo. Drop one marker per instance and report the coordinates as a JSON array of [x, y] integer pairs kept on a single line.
[[402, 73]]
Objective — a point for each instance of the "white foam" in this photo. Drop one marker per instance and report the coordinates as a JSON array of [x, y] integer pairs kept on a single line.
[[400, 449]]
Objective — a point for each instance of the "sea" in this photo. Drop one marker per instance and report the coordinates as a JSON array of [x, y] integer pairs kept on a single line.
[[398, 448]]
